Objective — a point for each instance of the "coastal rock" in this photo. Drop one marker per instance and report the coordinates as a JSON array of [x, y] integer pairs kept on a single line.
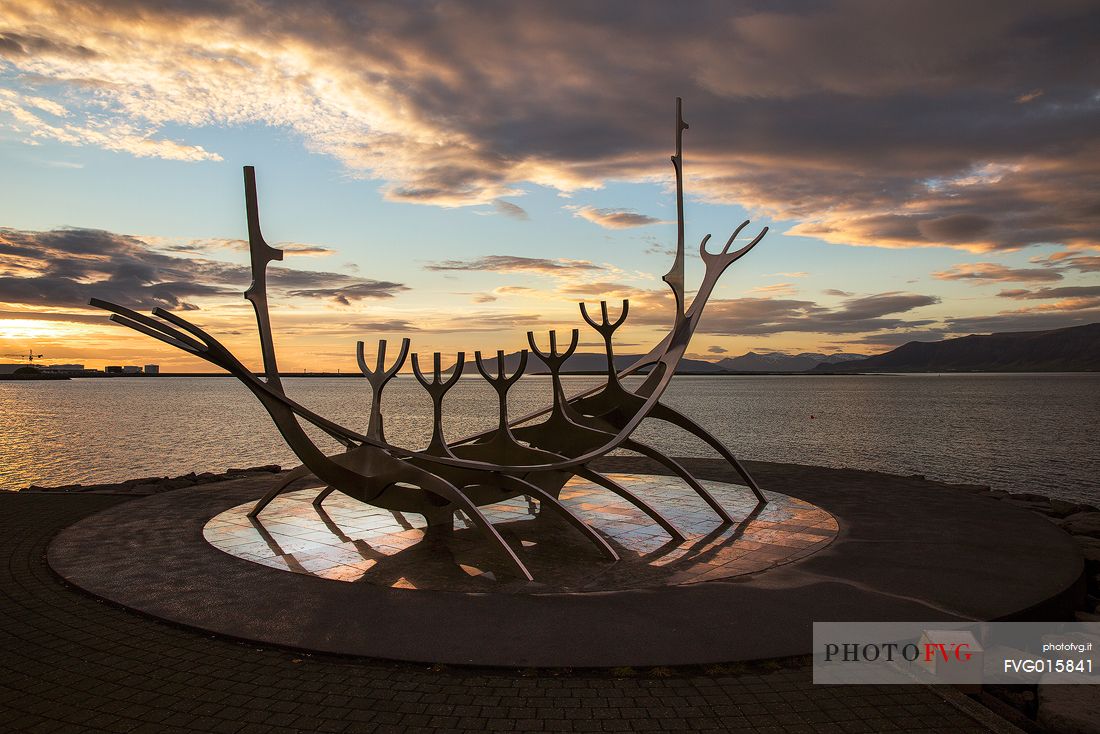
[[1042, 508], [269, 468], [176, 483], [153, 485], [141, 489], [1064, 508], [972, 488], [135, 482], [1030, 497], [1090, 549], [1082, 523], [1068, 709]]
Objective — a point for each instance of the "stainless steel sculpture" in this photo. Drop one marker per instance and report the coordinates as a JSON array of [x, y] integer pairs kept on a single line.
[[533, 455]]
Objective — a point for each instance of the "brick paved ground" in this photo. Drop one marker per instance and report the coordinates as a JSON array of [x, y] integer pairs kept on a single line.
[[71, 663]]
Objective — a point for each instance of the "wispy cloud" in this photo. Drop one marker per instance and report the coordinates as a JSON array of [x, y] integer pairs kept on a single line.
[[1024, 320], [1073, 260], [99, 131], [784, 289], [996, 273], [614, 218], [516, 264], [1047, 293], [891, 339], [214, 244], [763, 316], [510, 210]]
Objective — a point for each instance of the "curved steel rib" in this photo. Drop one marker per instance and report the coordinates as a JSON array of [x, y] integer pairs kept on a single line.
[[295, 474]]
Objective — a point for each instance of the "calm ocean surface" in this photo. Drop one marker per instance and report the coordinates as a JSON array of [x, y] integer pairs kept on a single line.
[[1018, 432]]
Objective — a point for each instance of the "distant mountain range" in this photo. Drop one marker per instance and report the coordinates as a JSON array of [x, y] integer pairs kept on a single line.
[[585, 362], [1073, 349], [750, 362], [779, 362]]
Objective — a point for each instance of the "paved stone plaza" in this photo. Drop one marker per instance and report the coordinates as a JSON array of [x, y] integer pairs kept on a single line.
[[73, 663]]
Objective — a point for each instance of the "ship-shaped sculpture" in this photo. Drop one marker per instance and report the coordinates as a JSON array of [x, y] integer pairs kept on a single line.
[[533, 455]]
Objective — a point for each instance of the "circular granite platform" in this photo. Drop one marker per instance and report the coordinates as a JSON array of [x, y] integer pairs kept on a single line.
[[346, 540], [904, 549]]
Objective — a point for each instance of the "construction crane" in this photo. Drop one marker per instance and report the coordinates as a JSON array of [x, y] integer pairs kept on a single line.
[[30, 356]]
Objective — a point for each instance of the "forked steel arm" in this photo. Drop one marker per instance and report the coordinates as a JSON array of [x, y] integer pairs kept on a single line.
[[378, 378], [437, 389]]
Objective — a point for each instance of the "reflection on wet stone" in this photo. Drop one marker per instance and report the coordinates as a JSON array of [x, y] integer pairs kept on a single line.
[[350, 541]]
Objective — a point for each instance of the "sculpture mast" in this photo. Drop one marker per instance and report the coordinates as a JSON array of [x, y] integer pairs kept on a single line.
[[675, 276], [260, 254]]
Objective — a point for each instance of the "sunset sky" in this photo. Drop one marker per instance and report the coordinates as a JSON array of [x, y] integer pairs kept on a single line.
[[461, 173]]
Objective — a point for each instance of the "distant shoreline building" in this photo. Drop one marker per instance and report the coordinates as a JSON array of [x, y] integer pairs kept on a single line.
[[72, 370], [152, 369]]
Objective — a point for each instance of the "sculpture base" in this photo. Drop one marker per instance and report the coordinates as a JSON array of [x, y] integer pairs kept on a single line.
[[346, 540], [906, 549]]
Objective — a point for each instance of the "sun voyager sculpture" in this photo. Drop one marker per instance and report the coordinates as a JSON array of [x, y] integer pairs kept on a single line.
[[533, 455]]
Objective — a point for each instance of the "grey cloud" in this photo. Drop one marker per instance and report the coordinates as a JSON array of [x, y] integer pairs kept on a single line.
[[515, 264], [392, 325], [997, 273], [882, 304], [893, 339], [344, 295], [1022, 321], [615, 218], [599, 288], [955, 228], [762, 316], [1074, 261], [205, 246], [715, 349], [1084, 291], [67, 267], [78, 318], [14, 45], [508, 209], [489, 321]]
